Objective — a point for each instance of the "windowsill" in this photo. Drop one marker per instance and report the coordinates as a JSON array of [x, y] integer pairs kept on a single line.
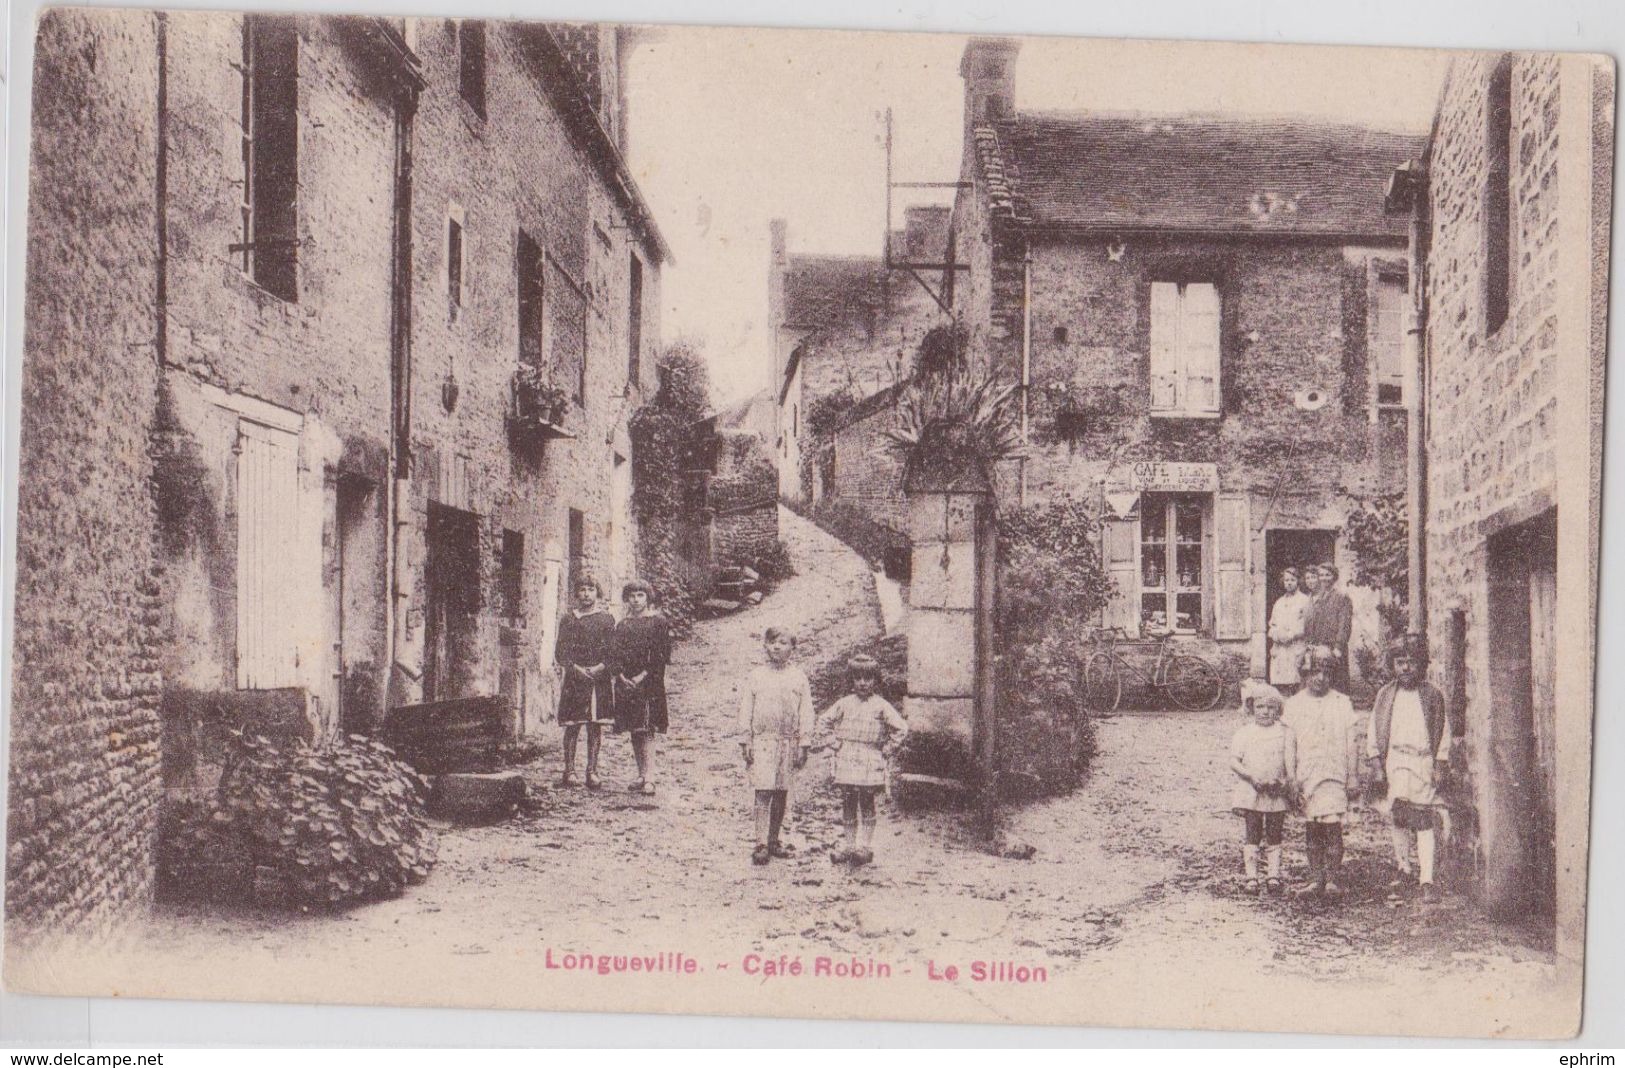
[[1171, 414]]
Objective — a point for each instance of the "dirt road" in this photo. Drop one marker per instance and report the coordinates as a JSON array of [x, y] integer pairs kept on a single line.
[[1131, 907]]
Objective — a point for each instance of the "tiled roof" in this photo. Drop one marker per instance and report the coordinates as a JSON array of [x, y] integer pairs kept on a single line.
[[1191, 172], [825, 290]]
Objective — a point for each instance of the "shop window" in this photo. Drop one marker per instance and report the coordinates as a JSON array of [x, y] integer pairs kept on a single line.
[[1173, 572], [1388, 339], [471, 64], [270, 154], [1184, 349]]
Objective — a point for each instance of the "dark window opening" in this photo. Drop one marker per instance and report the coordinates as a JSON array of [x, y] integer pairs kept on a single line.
[[270, 153], [1060, 335], [634, 331], [1497, 197], [578, 548], [471, 64], [511, 575], [532, 309], [454, 265]]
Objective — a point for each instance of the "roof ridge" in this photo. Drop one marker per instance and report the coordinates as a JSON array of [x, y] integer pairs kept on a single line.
[[1214, 118]]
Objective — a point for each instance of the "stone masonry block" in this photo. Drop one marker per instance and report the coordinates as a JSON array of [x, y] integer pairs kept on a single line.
[[944, 575], [942, 653]]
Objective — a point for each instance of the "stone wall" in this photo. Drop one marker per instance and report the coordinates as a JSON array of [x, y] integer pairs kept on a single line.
[[84, 754], [1505, 406]]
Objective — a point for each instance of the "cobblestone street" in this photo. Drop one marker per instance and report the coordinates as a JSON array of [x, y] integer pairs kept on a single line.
[[1133, 887]]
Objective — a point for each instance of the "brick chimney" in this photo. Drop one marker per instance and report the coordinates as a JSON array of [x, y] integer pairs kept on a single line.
[[989, 70], [925, 233]]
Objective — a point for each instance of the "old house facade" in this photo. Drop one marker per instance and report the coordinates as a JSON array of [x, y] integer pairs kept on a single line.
[[1204, 315], [1510, 203], [382, 295], [844, 329]]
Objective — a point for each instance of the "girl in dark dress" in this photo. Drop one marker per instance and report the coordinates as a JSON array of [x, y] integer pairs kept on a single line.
[[586, 697], [642, 648]]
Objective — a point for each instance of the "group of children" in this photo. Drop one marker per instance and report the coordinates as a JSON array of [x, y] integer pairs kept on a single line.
[[614, 676], [1304, 753], [780, 728]]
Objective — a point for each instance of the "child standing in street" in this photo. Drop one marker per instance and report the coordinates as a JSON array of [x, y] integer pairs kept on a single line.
[[867, 730], [1408, 747], [776, 721], [586, 698], [1263, 756], [1328, 770]]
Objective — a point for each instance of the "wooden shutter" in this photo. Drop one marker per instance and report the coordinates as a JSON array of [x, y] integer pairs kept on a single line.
[[267, 556], [1199, 347], [1120, 548], [1164, 346], [1231, 617]]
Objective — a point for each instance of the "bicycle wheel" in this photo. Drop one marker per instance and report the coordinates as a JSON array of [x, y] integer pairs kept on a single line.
[[1102, 683], [1192, 683]]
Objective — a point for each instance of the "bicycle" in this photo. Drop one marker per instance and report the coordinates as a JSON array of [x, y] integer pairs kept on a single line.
[[1189, 682]]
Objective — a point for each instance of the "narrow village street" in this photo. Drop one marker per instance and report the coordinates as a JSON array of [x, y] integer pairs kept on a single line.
[[1133, 884]]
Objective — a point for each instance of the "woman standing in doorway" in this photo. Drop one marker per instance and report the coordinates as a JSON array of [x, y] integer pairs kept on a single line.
[[642, 649], [1287, 618]]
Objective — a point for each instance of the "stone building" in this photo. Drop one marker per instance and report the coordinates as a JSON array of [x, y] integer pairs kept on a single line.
[[844, 328], [1205, 316], [84, 729], [377, 297], [1511, 207]]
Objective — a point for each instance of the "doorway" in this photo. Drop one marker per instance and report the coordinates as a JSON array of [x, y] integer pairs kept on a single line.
[[1521, 845], [1296, 549], [451, 604]]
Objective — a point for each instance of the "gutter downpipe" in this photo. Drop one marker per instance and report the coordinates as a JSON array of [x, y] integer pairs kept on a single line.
[[398, 490], [1415, 417]]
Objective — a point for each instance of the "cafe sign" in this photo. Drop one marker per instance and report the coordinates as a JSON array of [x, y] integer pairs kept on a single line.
[[1156, 476]]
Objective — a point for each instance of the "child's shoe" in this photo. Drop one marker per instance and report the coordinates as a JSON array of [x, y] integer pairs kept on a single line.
[[1274, 886], [1333, 892], [839, 856], [760, 855], [781, 851], [863, 856], [1250, 888]]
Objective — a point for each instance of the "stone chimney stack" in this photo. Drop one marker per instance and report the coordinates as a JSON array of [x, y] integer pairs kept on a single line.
[[778, 264], [989, 70]]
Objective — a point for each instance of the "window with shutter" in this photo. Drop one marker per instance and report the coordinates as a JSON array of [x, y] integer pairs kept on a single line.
[[1388, 337], [1232, 619], [1185, 348], [1120, 542], [267, 556]]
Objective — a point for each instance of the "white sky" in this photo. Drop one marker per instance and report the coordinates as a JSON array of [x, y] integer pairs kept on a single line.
[[730, 128]]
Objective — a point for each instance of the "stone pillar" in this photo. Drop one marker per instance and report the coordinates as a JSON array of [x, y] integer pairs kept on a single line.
[[944, 597]]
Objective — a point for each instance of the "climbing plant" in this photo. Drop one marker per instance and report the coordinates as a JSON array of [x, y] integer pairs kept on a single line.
[[1378, 536], [663, 443], [1052, 582]]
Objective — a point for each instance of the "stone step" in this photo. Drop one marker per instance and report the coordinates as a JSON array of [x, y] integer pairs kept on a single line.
[[475, 797]]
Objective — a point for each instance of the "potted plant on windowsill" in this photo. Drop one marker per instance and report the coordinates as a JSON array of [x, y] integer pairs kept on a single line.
[[536, 406]]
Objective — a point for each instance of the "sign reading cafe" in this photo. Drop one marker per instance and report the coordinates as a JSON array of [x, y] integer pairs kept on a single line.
[[1158, 476]]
